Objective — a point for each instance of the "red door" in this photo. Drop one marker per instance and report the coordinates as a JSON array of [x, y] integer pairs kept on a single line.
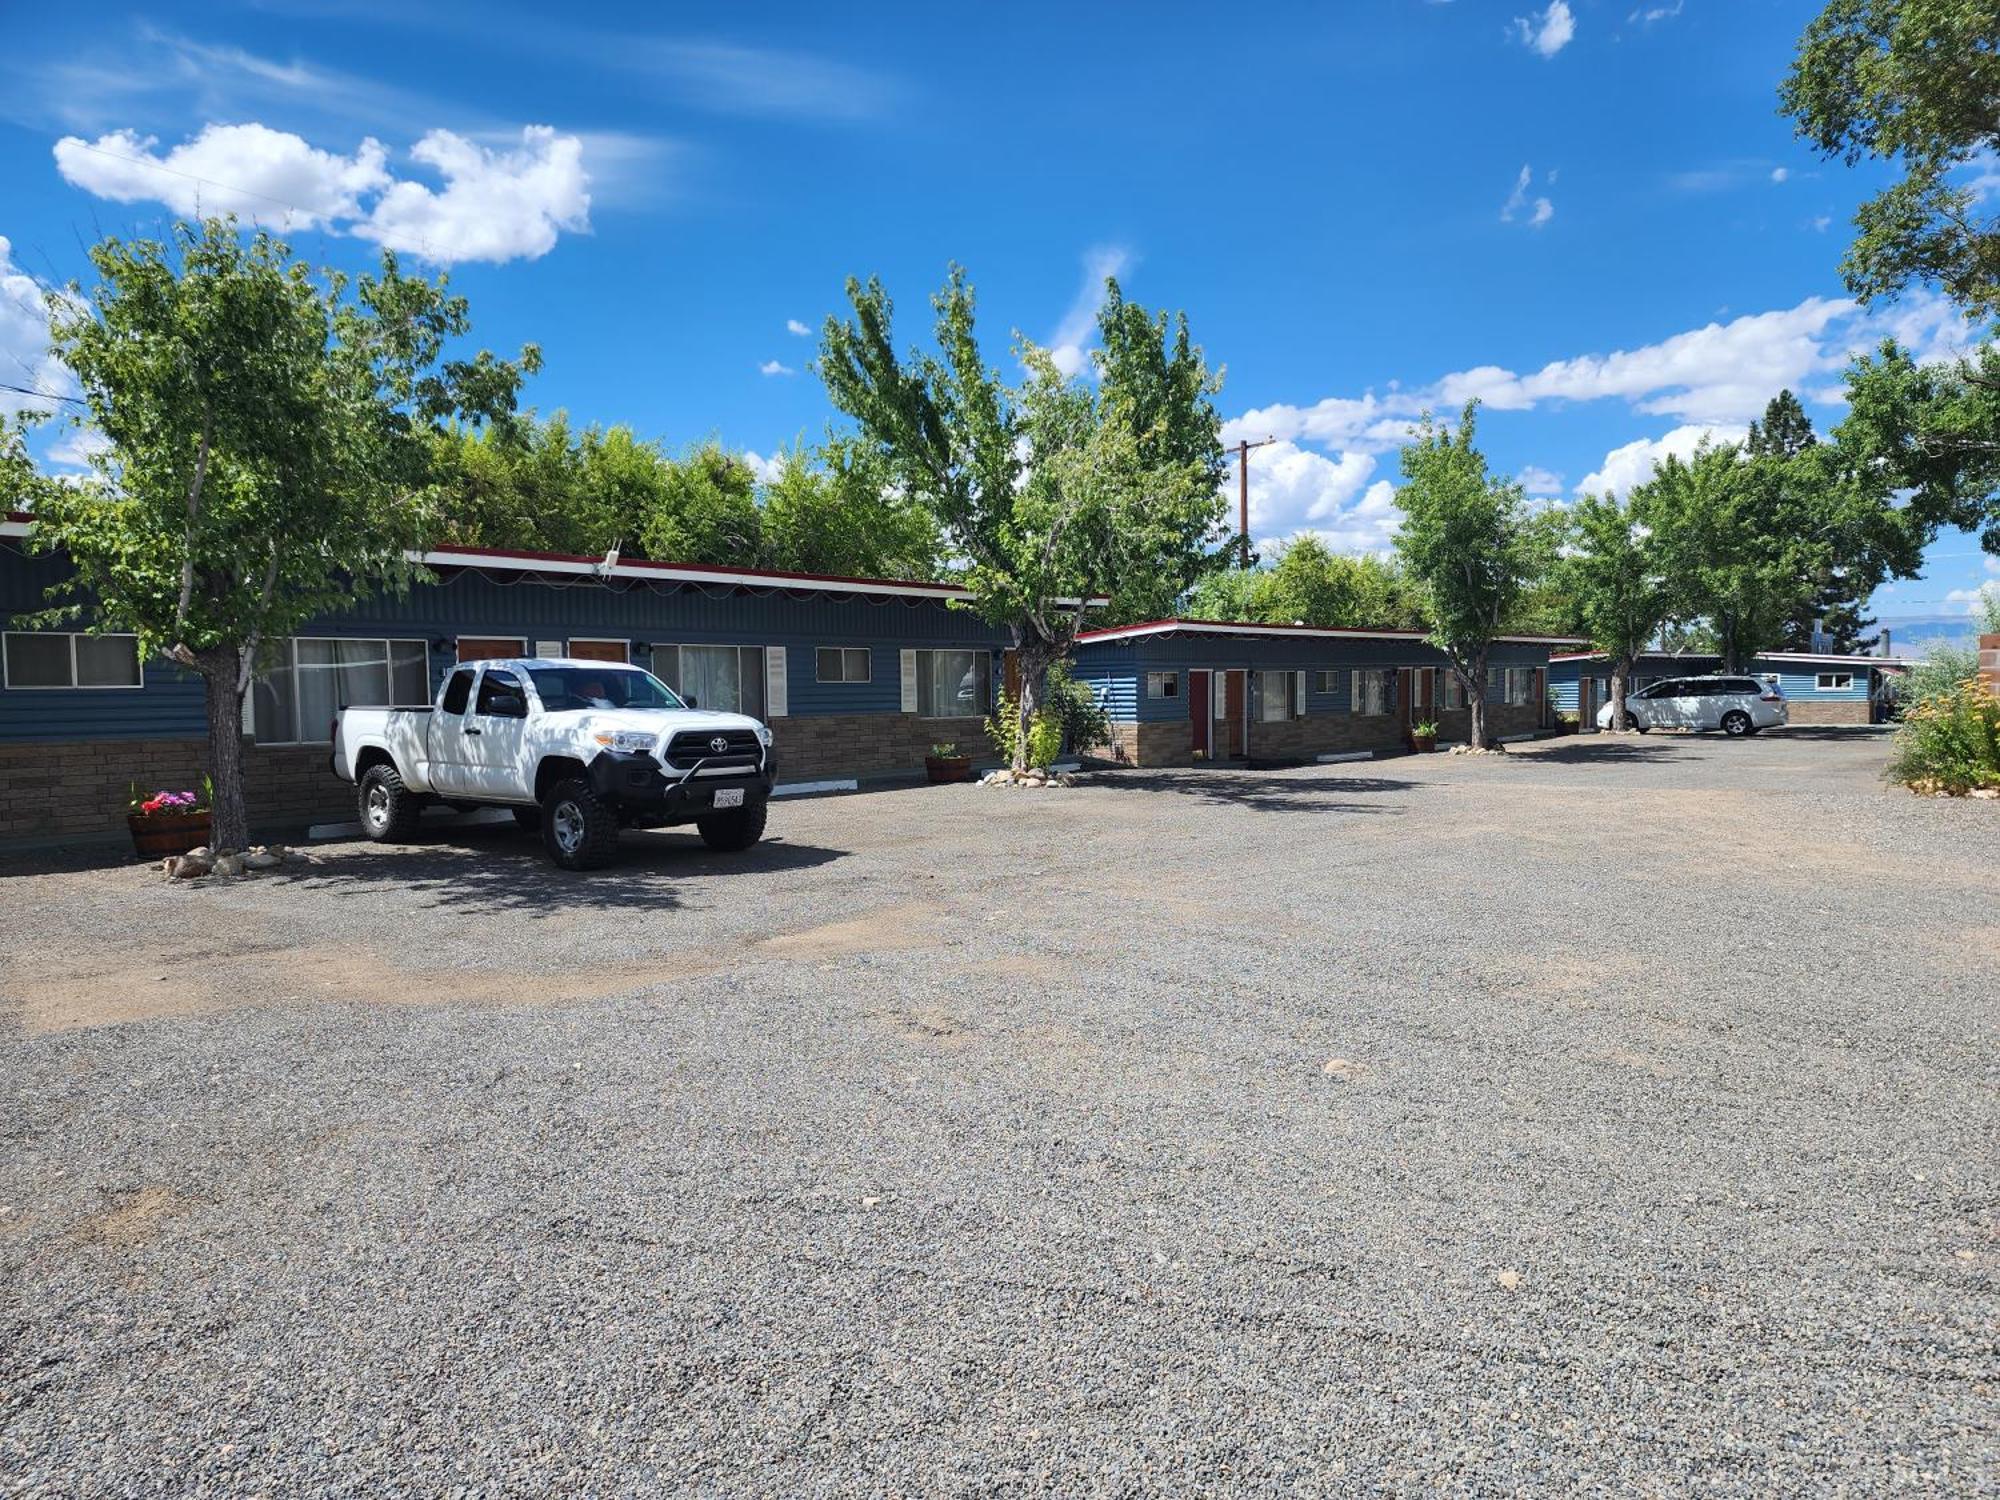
[[1201, 710], [1232, 708]]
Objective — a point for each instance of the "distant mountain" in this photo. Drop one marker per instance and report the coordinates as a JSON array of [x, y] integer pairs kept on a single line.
[[1909, 634]]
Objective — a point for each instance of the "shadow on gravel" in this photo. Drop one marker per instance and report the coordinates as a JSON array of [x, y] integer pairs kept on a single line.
[[1852, 733], [1591, 750], [503, 869], [1259, 791]]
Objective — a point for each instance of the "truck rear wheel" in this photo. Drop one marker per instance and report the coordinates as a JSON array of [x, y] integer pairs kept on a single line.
[[736, 829], [579, 829], [389, 810]]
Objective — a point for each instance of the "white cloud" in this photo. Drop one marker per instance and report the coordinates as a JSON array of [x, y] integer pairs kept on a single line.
[[496, 204], [25, 357], [1549, 32], [1779, 174], [1539, 481], [1821, 222], [1538, 212], [268, 177], [797, 329], [1633, 463], [1648, 15], [1368, 525], [1066, 345], [775, 367], [767, 470], [1967, 601]]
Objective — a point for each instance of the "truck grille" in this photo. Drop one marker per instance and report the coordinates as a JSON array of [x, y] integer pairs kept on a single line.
[[691, 746]]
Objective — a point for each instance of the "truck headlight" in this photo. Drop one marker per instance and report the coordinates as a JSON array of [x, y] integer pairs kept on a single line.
[[627, 741], [764, 735]]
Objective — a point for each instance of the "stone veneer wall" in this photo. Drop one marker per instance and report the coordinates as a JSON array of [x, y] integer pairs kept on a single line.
[[1325, 734], [1501, 719], [1989, 660], [816, 746], [80, 789], [1165, 742], [1846, 711]]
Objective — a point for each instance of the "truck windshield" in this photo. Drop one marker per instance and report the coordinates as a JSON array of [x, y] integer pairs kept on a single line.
[[565, 688]]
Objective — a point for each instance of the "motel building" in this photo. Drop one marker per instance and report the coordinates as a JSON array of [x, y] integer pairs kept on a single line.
[[1819, 687], [1179, 691]]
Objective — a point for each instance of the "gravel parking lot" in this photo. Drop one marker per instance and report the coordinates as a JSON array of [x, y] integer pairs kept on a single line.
[[1617, 1115]]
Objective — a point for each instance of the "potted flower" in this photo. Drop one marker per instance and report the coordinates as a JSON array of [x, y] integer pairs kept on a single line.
[[1424, 736], [169, 822], [944, 763]]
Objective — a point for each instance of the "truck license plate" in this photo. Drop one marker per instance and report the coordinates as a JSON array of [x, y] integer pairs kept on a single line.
[[729, 796]]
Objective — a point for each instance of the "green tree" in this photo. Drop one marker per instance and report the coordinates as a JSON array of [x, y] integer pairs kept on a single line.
[[1051, 491], [1615, 576], [270, 439], [1914, 82], [1929, 433], [1471, 545], [705, 510], [834, 510]]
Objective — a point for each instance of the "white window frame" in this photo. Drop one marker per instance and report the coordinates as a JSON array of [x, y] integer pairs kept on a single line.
[[1163, 685], [867, 655], [291, 644], [1523, 696], [916, 655], [1326, 681], [1833, 682], [1446, 686], [72, 686], [764, 653]]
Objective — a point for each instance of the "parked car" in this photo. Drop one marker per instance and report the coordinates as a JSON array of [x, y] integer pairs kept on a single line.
[[1735, 705], [576, 749]]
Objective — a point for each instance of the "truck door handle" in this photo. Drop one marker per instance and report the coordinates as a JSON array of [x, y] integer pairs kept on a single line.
[[471, 730]]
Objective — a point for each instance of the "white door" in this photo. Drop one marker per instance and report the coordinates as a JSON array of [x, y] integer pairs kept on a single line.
[[493, 735], [449, 771]]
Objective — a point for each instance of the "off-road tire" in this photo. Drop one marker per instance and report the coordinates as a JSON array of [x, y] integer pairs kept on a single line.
[[579, 828], [1736, 724], [530, 818], [739, 828], [389, 810]]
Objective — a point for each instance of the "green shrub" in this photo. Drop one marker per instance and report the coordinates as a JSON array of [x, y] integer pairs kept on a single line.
[[1949, 740], [1070, 717]]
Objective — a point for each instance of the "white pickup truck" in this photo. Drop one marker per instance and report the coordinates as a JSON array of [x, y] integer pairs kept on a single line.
[[576, 748]]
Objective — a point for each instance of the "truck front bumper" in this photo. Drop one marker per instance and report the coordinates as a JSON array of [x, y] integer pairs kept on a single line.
[[637, 785]]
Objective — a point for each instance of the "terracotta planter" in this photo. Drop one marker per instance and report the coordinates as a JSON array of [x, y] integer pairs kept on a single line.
[[1423, 744], [167, 833], [947, 768]]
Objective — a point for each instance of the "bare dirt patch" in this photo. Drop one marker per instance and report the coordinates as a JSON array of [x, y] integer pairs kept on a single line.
[[132, 1220], [908, 925], [52, 994]]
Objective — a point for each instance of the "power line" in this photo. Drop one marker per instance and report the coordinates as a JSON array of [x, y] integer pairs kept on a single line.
[[22, 390]]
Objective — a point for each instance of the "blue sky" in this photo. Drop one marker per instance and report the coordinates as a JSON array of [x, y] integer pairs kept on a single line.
[[1589, 213]]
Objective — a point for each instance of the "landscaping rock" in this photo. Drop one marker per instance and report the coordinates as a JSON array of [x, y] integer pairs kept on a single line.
[[189, 866], [261, 858], [228, 866]]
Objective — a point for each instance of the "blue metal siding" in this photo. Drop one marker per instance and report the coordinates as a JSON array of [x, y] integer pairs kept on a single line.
[[481, 604], [1800, 683], [1118, 689]]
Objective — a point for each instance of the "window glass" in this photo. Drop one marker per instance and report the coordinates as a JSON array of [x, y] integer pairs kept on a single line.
[[1835, 680], [712, 677], [409, 674], [563, 689], [493, 688], [1163, 684], [1274, 692], [457, 692], [842, 664], [1451, 692], [37, 661], [750, 675], [953, 684], [107, 661], [1372, 695], [1325, 682], [667, 665], [333, 675]]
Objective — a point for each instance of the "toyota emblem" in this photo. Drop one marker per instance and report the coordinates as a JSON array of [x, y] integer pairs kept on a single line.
[[719, 744]]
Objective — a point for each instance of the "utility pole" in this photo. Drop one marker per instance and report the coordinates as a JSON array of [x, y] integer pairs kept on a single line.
[[1243, 448]]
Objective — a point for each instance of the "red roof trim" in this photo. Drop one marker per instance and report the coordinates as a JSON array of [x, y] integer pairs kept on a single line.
[[1254, 627], [765, 575]]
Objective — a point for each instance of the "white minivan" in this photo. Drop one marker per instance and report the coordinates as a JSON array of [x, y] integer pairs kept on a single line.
[[1736, 705]]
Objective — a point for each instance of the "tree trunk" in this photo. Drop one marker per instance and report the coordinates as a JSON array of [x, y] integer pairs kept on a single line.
[[1477, 703], [1621, 717], [1034, 656], [230, 816]]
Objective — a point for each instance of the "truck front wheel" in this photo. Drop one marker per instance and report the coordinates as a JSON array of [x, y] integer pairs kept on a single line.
[[736, 829], [389, 810], [579, 829]]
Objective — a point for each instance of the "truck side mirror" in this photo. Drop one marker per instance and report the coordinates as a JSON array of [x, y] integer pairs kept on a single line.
[[691, 701], [506, 705]]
